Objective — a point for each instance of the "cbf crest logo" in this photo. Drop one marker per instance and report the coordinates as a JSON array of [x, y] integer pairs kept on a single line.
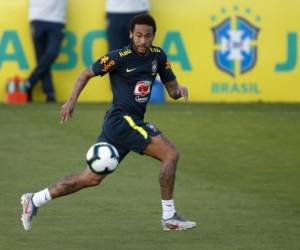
[[235, 38]]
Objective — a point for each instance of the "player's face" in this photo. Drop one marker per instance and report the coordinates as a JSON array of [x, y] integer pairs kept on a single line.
[[142, 37]]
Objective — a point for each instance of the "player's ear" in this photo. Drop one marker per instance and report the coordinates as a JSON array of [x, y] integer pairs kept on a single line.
[[130, 35]]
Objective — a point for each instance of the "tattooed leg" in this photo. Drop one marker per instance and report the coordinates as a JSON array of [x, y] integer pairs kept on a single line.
[[165, 151], [75, 182]]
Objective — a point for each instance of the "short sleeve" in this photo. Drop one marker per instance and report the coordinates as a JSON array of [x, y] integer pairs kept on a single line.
[[106, 63], [165, 71]]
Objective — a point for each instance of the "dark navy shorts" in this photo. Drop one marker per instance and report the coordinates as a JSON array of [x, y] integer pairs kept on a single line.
[[127, 133]]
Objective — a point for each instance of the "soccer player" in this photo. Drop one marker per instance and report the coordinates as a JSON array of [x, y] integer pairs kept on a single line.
[[132, 71]]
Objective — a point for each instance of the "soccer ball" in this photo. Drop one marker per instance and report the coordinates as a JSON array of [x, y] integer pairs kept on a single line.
[[102, 158]]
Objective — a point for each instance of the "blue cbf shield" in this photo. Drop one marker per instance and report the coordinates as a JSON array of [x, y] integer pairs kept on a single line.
[[236, 51]]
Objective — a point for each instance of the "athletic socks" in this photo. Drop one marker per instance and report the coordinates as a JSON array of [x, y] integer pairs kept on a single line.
[[168, 209], [41, 197]]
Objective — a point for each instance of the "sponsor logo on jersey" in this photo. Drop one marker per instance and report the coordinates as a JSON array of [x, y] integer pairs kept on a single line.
[[104, 59], [129, 70], [168, 65], [125, 52], [107, 63], [153, 49], [142, 90]]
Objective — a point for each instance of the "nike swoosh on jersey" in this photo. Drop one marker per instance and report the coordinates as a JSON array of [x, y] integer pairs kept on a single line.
[[129, 70]]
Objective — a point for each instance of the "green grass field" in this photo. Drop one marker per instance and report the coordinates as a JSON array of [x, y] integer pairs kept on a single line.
[[238, 177]]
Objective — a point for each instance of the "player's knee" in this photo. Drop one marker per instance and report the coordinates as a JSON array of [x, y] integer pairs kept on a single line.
[[94, 180], [172, 155], [176, 155]]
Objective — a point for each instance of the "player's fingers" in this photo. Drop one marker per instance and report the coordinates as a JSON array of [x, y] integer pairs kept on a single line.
[[184, 93], [64, 114], [67, 116], [186, 98]]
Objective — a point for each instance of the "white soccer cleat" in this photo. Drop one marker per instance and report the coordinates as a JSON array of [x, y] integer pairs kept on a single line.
[[29, 210], [177, 223]]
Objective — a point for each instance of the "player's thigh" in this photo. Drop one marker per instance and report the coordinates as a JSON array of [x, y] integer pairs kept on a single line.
[[121, 150], [161, 148], [127, 133]]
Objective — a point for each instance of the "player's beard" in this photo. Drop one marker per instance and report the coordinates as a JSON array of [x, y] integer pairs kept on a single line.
[[141, 50]]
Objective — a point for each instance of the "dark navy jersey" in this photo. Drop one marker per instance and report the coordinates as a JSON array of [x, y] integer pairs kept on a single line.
[[132, 76]]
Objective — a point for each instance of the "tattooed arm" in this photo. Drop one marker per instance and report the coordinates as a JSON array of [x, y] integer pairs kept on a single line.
[[176, 91], [68, 108]]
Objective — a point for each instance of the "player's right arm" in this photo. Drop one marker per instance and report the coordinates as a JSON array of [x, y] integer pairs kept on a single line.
[[103, 65], [68, 108]]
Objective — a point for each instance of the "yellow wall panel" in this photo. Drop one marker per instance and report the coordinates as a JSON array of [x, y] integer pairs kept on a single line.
[[252, 55]]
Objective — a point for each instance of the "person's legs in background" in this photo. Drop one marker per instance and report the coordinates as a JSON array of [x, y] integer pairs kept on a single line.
[[48, 86], [118, 29], [115, 31], [39, 42], [47, 39], [54, 40]]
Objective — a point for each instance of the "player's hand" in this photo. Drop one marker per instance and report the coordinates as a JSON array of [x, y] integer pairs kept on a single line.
[[66, 111], [183, 91]]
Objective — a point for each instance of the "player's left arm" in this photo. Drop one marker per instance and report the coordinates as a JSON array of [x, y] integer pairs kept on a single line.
[[175, 90]]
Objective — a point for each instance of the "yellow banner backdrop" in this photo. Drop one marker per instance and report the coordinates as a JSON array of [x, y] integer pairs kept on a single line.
[[232, 51]]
